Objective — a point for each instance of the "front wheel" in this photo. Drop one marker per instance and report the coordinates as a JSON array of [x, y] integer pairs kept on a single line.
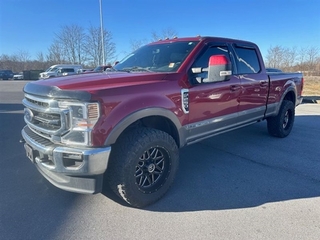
[[142, 166], [281, 125]]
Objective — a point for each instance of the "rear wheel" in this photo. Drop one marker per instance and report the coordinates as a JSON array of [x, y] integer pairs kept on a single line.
[[142, 166], [281, 125]]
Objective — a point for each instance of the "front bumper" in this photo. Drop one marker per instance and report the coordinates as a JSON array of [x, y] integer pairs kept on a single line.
[[73, 169]]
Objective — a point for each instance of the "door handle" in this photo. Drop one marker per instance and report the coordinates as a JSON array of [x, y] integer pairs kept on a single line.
[[234, 88], [263, 83]]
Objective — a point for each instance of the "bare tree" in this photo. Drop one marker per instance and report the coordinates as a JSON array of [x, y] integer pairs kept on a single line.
[[289, 58], [23, 56], [71, 38], [275, 57], [40, 62], [56, 53], [312, 54], [6, 61], [93, 47], [110, 47], [22, 60], [302, 55], [40, 57], [135, 44], [165, 33], [304, 59], [155, 36]]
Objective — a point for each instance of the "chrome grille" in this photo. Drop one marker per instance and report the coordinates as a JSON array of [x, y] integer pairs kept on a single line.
[[45, 117], [38, 139], [47, 120], [39, 103]]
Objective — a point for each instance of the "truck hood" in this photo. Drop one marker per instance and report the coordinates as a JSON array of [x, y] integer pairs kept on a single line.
[[83, 85], [104, 80]]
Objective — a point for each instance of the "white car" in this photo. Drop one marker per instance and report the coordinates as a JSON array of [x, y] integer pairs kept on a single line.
[[60, 70], [18, 76]]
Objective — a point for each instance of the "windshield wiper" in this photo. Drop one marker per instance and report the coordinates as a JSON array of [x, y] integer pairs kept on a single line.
[[136, 69]]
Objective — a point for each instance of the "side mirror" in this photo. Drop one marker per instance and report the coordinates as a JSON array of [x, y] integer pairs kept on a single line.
[[219, 69]]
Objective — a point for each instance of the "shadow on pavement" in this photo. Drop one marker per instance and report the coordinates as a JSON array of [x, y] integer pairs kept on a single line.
[[240, 169], [30, 207], [246, 168]]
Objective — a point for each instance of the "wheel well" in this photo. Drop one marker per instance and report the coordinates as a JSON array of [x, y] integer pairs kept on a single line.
[[156, 122], [291, 97]]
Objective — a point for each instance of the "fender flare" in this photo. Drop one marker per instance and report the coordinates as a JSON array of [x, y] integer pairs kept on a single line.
[[147, 112], [290, 88]]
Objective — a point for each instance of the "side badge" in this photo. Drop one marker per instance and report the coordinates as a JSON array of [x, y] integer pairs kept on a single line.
[[185, 100]]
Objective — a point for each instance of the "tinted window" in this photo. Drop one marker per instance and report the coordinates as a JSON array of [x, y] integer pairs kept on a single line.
[[67, 70], [203, 60], [247, 60]]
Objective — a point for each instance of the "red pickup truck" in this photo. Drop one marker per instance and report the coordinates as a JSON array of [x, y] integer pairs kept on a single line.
[[125, 126]]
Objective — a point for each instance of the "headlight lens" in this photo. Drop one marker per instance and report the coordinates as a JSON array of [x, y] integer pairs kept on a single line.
[[83, 117]]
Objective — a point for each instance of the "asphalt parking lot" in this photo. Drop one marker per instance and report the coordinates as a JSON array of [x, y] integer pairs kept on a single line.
[[240, 185]]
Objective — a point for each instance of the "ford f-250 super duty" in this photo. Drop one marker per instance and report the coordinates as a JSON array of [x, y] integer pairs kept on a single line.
[[125, 126]]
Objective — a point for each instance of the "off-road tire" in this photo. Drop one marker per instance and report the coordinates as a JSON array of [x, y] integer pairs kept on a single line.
[[142, 166], [281, 125]]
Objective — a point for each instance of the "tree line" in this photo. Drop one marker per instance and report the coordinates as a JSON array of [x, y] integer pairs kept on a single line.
[[71, 45], [75, 45], [294, 59]]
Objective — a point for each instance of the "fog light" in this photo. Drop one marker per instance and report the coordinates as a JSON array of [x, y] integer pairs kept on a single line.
[[72, 160]]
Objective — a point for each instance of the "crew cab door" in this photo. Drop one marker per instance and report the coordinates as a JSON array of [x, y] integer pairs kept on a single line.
[[254, 83], [213, 106]]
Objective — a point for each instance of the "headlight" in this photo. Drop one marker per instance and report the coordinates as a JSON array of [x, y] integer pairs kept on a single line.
[[83, 117]]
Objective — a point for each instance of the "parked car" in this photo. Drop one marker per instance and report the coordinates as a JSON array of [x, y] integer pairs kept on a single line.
[[87, 70], [101, 68], [6, 74], [67, 71], [18, 76], [60, 70]]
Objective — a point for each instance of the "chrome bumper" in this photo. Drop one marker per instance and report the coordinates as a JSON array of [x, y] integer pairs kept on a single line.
[[72, 169]]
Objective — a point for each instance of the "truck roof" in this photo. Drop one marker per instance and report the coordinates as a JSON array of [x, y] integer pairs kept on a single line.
[[203, 39]]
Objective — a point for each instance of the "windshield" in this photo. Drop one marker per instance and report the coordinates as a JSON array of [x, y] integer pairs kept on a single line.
[[98, 69], [51, 69], [165, 57]]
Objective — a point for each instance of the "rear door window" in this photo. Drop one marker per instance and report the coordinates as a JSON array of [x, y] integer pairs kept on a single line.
[[247, 60]]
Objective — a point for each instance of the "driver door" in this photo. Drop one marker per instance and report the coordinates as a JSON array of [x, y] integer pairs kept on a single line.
[[213, 107]]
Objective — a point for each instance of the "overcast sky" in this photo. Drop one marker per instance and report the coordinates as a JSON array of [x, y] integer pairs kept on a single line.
[[30, 25]]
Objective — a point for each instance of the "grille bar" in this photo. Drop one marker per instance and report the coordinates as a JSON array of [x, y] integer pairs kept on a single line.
[[44, 115]]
